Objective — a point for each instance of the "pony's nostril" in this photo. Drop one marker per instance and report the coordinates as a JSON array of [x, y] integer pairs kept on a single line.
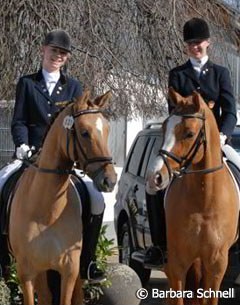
[[158, 179], [105, 181], [108, 184]]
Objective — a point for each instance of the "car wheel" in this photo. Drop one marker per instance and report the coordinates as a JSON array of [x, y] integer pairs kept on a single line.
[[125, 252]]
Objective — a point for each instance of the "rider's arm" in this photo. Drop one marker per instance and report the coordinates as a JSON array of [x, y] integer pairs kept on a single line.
[[228, 104], [19, 126]]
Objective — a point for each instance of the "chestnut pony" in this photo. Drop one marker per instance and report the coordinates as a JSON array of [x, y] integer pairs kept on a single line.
[[45, 221], [201, 202]]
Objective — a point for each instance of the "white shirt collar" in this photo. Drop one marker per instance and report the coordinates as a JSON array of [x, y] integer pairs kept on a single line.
[[52, 77], [199, 62]]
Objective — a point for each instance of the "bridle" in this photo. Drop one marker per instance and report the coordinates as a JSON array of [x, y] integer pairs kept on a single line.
[[77, 144], [71, 133], [186, 161]]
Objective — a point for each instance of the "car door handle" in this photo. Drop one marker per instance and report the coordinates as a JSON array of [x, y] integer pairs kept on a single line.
[[135, 189]]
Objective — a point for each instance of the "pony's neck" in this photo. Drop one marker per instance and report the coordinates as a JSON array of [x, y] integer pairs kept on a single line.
[[52, 155], [212, 157], [55, 185]]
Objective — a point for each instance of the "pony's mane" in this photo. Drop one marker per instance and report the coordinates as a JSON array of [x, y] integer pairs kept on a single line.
[[54, 117]]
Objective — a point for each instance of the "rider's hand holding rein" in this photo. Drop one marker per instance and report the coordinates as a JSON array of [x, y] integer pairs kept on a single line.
[[23, 152], [223, 139]]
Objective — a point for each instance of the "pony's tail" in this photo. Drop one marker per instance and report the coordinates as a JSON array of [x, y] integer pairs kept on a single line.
[[193, 282]]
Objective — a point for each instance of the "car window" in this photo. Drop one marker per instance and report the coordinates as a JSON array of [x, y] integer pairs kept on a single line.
[[146, 156], [137, 155], [155, 149]]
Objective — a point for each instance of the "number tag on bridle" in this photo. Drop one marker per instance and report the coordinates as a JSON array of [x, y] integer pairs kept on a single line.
[[68, 122]]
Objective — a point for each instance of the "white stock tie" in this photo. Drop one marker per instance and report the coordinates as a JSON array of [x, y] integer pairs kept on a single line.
[[50, 86]]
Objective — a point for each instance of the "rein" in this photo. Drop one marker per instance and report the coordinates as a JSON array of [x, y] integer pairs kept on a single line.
[[186, 161], [57, 171], [76, 143]]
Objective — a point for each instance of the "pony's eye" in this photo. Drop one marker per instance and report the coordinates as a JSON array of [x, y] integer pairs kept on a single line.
[[189, 135], [85, 134]]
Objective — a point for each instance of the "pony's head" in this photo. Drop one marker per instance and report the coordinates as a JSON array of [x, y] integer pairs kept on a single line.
[[87, 140], [184, 143]]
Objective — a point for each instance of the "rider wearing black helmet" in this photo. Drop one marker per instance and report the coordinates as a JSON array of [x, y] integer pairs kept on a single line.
[[213, 82]]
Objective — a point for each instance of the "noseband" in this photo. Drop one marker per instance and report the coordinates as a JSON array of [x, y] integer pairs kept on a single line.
[[186, 161]]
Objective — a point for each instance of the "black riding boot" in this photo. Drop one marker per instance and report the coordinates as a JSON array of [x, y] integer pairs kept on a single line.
[[156, 255], [88, 266]]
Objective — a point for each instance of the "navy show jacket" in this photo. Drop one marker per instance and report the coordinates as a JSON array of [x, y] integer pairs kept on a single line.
[[214, 84], [35, 108]]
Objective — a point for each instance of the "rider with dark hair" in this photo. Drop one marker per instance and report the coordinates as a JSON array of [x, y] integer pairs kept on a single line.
[[213, 82]]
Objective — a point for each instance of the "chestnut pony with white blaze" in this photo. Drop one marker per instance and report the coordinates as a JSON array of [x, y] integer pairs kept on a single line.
[[201, 202], [45, 220]]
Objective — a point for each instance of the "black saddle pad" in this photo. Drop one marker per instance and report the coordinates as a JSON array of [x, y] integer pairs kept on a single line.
[[5, 203], [85, 198]]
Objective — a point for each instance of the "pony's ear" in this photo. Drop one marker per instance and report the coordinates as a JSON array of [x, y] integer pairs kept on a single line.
[[196, 100], [102, 100], [174, 97], [82, 100]]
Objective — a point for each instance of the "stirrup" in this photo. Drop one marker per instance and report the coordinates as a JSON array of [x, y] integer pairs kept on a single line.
[[155, 257], [96, 278]]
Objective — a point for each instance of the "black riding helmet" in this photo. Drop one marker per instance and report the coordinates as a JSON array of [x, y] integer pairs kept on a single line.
[[58, 38], [195, 29]]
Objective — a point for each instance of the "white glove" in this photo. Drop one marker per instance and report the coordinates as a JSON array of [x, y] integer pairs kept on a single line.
[[223, 139], [23, 152]]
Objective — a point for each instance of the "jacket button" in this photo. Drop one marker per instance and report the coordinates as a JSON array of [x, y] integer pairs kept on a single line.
[[49, 103], [49, 115]]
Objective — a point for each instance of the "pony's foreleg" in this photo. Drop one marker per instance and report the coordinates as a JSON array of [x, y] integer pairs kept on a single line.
[[69, 276], [28, 292], [176, 278], [213, 274], [78, 294], [26, 283]]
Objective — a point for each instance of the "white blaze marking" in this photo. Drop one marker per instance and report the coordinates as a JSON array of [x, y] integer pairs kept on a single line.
[[169, 140], [156, 166], [99, 125]]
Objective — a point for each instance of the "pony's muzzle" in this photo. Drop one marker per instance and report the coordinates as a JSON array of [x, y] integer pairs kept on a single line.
[[108, 184], [105, 181], [156, 182]]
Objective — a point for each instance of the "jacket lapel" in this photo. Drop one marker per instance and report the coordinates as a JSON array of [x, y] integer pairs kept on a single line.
[[40, 86], [189, 71], [206, 70], [59, 88]]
